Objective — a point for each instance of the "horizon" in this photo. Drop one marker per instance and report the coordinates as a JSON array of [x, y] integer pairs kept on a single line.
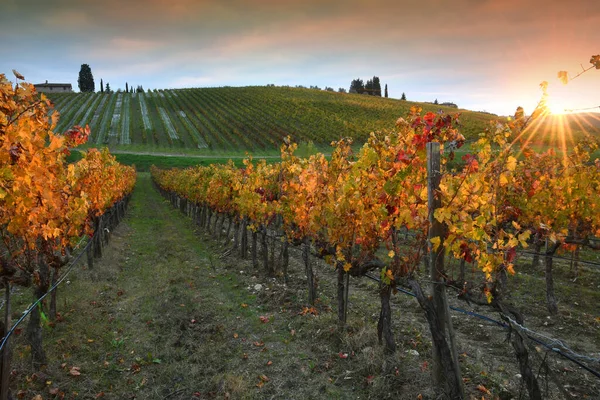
[[482, 56]]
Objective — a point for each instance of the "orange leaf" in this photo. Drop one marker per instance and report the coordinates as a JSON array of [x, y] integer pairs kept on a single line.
[[483, 389]]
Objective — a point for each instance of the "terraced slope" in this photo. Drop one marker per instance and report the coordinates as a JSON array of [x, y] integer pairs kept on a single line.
[[237, 119]]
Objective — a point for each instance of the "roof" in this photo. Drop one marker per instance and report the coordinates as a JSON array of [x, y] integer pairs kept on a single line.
[[52, 84]]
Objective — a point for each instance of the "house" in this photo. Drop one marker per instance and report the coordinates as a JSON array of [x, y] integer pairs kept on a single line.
[[53, 87]]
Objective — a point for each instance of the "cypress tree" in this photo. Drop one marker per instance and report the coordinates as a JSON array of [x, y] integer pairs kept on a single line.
[[386, 92], [101, 86], [126, 88], [86, 79], [376, 86], [403, 96]]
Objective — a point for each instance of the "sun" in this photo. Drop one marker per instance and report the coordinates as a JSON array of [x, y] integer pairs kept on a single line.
[[556, 105]]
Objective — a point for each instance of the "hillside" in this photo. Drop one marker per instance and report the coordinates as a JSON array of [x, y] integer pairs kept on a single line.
[[235, 119]]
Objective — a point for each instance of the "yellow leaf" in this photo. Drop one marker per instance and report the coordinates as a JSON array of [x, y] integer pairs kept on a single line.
[[436, 242], [347, 267], [503, 180], [510, 269], [516, 226], [391, 254], [511, 163]]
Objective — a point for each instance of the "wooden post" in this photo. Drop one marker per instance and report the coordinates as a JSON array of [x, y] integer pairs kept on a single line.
[[5, 361], [436, 265]]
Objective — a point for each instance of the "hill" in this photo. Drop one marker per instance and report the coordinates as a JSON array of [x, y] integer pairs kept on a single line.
[[236, 119]]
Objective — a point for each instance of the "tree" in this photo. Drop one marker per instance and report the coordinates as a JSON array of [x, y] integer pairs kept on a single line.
[[328, 89], [86, 79], [126, 87], [357, 86], [386, 92], [435, 101], [376, 87], [369, 87], [101, 86], [139, 89], [108, 87], [341, 90], [403, 96]]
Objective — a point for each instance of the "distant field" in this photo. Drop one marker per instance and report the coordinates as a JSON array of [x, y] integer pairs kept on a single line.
[[233, 120]]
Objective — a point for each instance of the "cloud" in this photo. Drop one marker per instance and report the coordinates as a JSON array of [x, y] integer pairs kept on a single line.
[[475, 52]]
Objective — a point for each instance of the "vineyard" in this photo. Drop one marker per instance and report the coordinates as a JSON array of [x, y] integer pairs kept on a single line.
[[466, 219], [235, 119], [353, 210]]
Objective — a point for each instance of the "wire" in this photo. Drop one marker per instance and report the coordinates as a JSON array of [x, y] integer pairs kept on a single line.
[[62, 278], [559, 257], [581, 109], [572, 356]]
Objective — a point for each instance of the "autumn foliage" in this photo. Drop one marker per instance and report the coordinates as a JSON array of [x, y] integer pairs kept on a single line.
[[46, 204], [354, 203]]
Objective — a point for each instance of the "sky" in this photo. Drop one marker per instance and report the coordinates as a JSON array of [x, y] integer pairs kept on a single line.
[[484, 55]]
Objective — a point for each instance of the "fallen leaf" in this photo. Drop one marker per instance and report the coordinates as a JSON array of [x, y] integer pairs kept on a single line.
[[264, 319], [293, 332], [343, 355], [99, 395], [53, 391], [483, 389], [244, 305], [259, 344], [235, 335], [269, 362], [75, 371]]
